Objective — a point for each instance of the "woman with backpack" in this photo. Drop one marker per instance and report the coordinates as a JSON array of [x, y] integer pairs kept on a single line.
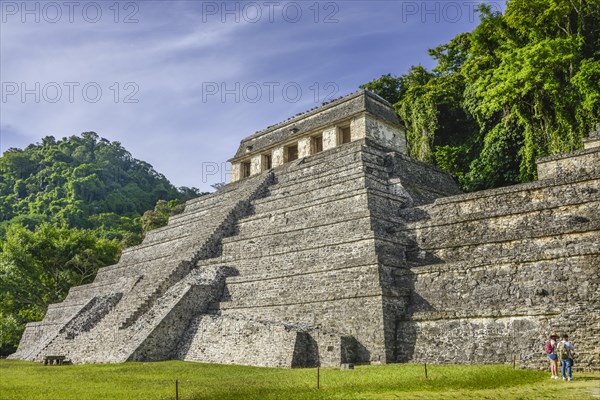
[[550, 348], [565, 351]]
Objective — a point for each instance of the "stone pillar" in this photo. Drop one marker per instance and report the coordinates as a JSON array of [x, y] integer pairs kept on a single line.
[[358, 128], [236, 170], [256, 164], [330, 138], [277, 157], [304, 147]]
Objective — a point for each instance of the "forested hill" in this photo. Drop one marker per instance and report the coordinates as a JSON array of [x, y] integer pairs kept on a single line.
[[67, 208], [521, 85], [80, 182]]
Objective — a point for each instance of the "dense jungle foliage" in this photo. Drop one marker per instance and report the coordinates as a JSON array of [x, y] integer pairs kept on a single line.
[[522, 85]]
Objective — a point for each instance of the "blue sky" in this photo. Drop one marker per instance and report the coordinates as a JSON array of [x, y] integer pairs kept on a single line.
[[180, 83]]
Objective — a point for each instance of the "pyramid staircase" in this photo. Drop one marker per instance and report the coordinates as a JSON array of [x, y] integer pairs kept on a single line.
[[144, 274]]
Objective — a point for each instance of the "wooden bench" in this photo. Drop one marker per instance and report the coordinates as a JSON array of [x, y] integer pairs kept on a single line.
[[53, 360]]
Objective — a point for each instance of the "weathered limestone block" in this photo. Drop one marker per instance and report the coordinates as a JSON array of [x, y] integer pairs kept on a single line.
[[357, 281], [344, 316], [583, 163], [231, 340], [469, 340], [298, 216], [540, 223], [382, 132], [236, 172], [278, 156], [308, 260], [304, 147], [256, 164], [358, 128], [330, 138]]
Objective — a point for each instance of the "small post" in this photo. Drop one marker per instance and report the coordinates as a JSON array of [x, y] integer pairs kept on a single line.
[[176, 389], [425, 370], [514, 361], [318, 377]]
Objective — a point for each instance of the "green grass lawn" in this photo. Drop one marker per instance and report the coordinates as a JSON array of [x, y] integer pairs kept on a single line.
[[148, 381]]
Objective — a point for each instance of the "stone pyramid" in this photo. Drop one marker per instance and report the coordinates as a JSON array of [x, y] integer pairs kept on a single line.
[[332, 246]]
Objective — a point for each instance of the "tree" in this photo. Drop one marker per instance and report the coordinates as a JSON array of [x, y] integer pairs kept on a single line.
[[389, 87], [38, 267], [520, 86], [70, 180], [159, 217], [525, 66]]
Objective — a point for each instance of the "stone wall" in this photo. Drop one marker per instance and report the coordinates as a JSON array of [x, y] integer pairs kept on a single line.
[[491, 274], [235, 340], [385, 133]]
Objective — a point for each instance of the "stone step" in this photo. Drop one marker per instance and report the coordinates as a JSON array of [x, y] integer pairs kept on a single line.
[[583, 163], [326, 234], [63, 312], [210, 200], [330, 209], [316, 258], [153, 251], [178, 248], [151, 288], [181, 224], [220, 206], [171, 315], [307, 168], [231, 191], [502, 288], [315, 312], [547, 222], [253, 272], [79, 293], [316, 183], [362, 160], [575, 243], [301, 196], [424, 176], [194, 226], [124, 270], [334, 153], [316, 180], [505, 201], [225, 198], [315, 286]]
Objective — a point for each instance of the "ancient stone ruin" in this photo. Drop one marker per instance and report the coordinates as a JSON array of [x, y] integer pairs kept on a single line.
[[332, 246]]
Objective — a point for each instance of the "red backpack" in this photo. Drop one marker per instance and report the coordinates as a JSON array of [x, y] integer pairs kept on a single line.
[[548, 347]]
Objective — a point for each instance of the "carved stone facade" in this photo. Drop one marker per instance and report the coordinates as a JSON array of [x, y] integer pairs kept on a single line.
[[336, 247], [357, 116]]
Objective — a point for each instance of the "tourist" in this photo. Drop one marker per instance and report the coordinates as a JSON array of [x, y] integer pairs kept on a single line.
[[565, 351], [550, 348]]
